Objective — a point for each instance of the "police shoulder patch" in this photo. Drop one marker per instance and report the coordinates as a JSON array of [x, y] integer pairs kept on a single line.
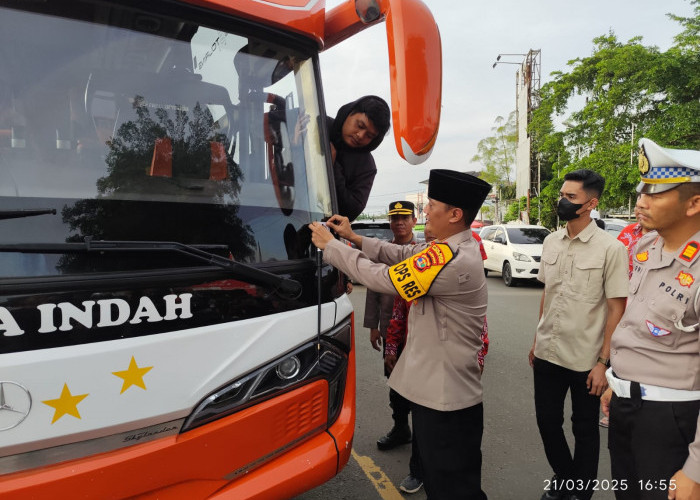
[[689, 251], [414, 276]]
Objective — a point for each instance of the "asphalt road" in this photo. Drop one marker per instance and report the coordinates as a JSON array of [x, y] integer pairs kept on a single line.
[[514, 464]]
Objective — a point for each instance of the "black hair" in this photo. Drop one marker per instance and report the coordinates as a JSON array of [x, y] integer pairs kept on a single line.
[[376, 109], [468, 214], [592, 181]]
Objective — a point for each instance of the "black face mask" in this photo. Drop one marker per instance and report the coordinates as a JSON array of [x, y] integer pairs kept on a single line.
[[567, 210]]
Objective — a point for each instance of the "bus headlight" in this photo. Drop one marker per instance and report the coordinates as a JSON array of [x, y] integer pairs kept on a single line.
[[307, 363], [289, 368]]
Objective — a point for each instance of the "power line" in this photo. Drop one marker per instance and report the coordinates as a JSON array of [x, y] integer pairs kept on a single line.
[[396, 194]]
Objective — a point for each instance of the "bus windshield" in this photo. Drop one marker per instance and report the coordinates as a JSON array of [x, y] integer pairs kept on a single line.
[[124, 126]]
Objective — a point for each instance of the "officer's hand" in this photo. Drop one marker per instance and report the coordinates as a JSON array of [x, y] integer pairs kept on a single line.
[[605, 402], [681, 487], [531, 356], [375, 339], [390, 362], [320, 235], [341, 226], [596, 381]]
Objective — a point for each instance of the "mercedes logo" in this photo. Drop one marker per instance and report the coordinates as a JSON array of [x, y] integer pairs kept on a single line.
[[15, 403]]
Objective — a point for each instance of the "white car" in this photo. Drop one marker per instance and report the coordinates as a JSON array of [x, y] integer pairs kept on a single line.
[[513, 250], [614, 226]]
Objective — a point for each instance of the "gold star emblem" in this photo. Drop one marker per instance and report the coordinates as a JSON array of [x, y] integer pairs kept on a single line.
[[133, 375], [66, 404]]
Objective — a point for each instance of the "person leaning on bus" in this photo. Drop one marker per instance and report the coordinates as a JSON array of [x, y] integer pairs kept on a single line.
[[358, 128], [438, 371]]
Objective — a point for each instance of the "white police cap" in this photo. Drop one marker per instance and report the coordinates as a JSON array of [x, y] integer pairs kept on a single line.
[[664, 168]]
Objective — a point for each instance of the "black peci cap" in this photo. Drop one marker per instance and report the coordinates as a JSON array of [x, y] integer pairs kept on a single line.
[[457, 188]]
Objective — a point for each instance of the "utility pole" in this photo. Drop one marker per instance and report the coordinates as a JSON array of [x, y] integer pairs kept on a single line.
[[527, 85]]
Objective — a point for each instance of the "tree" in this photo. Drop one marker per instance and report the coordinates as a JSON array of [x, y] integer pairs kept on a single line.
[[487, 212], [631, 91], [514, 209], [108, 217], [497, 155]]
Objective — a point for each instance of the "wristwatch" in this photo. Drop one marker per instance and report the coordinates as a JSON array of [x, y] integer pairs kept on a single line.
[[605, 361]]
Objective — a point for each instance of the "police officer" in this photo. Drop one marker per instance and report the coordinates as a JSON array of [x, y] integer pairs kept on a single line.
[[438, 371], [655, 373], [378, 307]]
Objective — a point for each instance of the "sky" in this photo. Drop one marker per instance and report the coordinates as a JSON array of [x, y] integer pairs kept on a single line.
[[474, 93]]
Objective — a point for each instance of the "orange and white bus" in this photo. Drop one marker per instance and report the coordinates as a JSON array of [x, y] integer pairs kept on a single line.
[[167, 330]]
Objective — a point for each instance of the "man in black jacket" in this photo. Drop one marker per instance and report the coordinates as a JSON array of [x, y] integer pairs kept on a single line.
[[358, 128]]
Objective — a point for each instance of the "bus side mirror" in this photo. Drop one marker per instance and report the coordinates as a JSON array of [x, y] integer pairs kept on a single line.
[[415, 60]]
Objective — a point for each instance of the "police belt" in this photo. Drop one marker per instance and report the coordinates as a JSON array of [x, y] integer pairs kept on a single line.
[[626, 389]]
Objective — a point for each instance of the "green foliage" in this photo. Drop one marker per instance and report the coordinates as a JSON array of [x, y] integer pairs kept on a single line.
[[487, 211], [497, 155], [630, 91], [514, 209]]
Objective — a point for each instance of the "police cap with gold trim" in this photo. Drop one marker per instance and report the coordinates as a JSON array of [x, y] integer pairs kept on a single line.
[[665, 168], [401, 208], [458, 189]]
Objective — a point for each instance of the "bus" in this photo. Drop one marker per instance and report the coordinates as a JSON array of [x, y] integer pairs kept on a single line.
[[167, 329]]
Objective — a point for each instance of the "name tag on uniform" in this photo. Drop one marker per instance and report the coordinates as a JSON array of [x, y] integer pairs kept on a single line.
[[414, 276]]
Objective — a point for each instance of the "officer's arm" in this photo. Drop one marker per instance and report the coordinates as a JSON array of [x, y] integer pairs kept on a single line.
[[389, 253], [541, 278], [683, 487], [371, 319], [541, 306], [531, 355], [616, 308], [354, 263], [615, 288], [687, 480]]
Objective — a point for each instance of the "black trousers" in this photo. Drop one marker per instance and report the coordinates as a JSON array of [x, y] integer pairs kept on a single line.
[[401, 408], [552, 382], [648, 442], [449, 443]]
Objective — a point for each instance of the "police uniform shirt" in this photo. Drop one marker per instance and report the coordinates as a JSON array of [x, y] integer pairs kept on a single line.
[[656, 341], [378, 308], [438, 368], [579, 275]]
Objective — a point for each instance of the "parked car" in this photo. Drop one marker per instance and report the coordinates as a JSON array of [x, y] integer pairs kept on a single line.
[[374, 229], [513, 250], [614, 226]]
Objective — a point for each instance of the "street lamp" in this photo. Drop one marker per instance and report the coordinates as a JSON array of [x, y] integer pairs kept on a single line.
[[505, 62], [498, 59]]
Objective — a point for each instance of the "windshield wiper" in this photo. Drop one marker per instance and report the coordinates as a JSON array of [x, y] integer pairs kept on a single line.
[[17, 214], [246, 272]]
